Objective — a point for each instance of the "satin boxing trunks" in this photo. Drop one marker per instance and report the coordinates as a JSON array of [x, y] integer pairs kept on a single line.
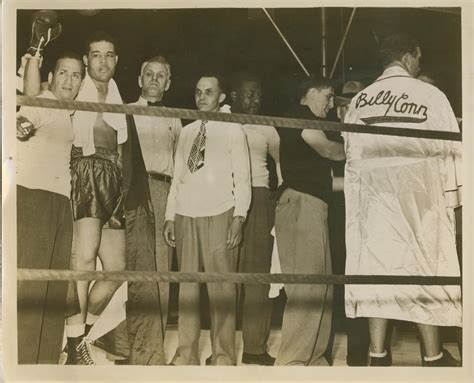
[[97, 187]]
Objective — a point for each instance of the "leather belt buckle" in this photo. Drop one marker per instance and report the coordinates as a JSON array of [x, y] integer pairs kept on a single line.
[[160, 177]]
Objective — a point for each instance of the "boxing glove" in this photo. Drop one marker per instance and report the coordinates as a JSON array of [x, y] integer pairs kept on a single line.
[[45, 28]]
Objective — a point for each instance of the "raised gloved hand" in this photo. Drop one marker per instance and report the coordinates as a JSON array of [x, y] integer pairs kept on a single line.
[[45, 28], [24, 128]]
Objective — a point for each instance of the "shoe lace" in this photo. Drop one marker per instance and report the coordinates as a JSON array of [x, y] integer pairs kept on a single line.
[[84, 349]]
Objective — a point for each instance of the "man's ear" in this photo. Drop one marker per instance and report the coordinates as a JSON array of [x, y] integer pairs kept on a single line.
[[140, 83], [85, 60], [222, 97], [50, 78], [168, 84], [116, 59], [406, 59], [233, 96]]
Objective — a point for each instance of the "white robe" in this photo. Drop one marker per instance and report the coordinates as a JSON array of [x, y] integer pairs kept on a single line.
[[400, 193]]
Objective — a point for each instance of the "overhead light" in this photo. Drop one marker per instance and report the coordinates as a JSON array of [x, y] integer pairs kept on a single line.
[[89, 12]]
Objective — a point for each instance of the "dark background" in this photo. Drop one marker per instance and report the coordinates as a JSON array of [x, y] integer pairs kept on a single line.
[[229, 40]]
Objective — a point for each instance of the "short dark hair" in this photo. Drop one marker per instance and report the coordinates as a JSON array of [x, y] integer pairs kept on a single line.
[[394, 47], [240, 77], [99, 36], [69, 55], [220, 80], [314, 82]]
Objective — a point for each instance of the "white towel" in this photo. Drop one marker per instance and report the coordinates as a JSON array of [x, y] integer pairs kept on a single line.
[[113, 314], [275, 269], [83, 122]]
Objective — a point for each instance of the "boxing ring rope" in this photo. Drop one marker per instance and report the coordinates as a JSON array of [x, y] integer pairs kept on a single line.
[[190, 114], [252, 278]]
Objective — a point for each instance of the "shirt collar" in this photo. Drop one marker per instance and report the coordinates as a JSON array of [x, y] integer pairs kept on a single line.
[[225, 109], [395, 70], [142, 101]]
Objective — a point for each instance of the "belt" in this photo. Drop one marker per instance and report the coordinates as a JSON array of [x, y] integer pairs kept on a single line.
[[160, 177], [100, 153]]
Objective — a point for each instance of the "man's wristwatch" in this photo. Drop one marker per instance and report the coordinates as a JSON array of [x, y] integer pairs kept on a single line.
[[240, 218]]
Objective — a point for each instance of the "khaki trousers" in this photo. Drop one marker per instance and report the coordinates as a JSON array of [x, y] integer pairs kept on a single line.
[[303, 246], [201, 245]]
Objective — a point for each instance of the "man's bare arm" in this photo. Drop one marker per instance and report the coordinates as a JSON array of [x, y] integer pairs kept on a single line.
[[32, 77], [323, 146]]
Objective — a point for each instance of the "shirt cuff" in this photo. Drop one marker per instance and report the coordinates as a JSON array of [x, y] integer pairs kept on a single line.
[[169, 217], [240, 213]]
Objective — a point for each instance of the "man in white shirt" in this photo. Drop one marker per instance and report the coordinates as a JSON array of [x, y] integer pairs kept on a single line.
[[207, 206], [158, 139], [257, 244], [44, 219], [400, 196]]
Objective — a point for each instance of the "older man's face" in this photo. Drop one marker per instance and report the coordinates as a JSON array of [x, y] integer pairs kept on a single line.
[[67, 79], [208, 95], [154, 80], [321, 100], [101, 61]]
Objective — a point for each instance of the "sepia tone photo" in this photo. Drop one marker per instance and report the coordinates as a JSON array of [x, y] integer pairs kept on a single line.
[[250, 191]]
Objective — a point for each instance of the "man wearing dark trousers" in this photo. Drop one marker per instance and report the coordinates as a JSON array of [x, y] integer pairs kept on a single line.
[[256, 248], [158, 140], [44, 217]]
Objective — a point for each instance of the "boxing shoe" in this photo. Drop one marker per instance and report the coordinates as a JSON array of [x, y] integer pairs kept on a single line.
[[78, 351], [446, 360], [385, 361]]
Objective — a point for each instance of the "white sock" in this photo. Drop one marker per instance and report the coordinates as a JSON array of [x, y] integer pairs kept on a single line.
[[433, 358], [75, 330], [91, 319], [378, 354]]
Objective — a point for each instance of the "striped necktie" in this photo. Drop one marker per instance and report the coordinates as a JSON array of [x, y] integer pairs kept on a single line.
[[196, 157]]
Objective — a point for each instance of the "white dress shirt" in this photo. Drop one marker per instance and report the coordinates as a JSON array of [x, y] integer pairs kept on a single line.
[[224, 180], [158, 139], [262, 140]]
